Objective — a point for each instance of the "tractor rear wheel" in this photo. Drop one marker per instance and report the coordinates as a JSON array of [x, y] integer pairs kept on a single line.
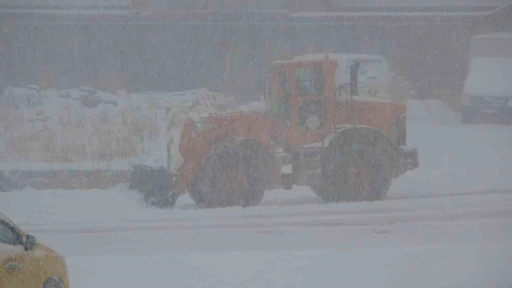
[[233, 175], [354, 172]]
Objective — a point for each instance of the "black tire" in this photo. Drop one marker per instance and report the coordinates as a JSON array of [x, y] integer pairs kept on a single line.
[[53, 282], [341, 160], [154, 185], [215, 187]]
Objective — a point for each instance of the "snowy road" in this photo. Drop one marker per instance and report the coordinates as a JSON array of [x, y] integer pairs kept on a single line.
[[473, 206], [446, 224], [445, 241]]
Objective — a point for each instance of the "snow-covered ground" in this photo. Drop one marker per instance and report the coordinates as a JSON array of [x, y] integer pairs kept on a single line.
[[446, 224]]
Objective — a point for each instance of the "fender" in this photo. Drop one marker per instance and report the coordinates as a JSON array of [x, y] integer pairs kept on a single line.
[[337, 130], [342, 130]]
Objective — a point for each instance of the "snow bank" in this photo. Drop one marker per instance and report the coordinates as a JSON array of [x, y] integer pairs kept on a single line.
[[454, 157], [76, 125], [430, 112], [90, 125]]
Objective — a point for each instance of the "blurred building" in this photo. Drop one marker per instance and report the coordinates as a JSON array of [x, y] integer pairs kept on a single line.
[[226, 45]]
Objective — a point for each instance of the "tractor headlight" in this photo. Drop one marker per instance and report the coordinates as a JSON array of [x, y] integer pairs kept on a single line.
[[313, 122]]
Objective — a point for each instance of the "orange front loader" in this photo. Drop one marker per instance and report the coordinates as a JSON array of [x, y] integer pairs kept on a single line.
[[311, 132]]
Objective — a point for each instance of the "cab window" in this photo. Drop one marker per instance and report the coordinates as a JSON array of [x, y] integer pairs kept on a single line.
[[8, 235], [280, 96], [310, 82]]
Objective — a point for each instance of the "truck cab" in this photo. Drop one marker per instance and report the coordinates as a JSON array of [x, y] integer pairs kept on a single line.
[[300, 96], [312, 104], [314, 94]]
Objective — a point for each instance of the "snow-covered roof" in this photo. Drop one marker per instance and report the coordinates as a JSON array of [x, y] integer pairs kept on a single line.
[[500, 35], [73, 11], [375, 12], [492, 45], [338, 56], [68, 2], [421, 3], [489, 77], [367, 14], [274, 3]]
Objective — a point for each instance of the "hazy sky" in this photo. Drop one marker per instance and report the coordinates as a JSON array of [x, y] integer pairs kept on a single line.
[[346, 2]]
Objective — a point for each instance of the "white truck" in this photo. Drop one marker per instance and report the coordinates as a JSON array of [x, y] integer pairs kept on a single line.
[[487, 91]]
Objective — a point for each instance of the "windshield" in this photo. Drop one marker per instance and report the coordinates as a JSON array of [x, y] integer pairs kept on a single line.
[[310, 82], [280, 94]]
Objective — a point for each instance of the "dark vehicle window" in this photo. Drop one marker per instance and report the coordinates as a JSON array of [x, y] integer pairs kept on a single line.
[[281, 102], [310, 82], [8, 235]]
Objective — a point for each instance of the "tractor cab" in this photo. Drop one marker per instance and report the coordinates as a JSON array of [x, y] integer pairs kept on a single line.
[[303, 96]]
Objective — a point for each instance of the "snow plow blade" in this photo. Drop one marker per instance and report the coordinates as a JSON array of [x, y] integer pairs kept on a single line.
[[154, 184], [409, 158]]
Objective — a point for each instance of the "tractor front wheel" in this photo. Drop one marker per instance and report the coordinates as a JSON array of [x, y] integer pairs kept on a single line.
[[233, 175], [354, 173]]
